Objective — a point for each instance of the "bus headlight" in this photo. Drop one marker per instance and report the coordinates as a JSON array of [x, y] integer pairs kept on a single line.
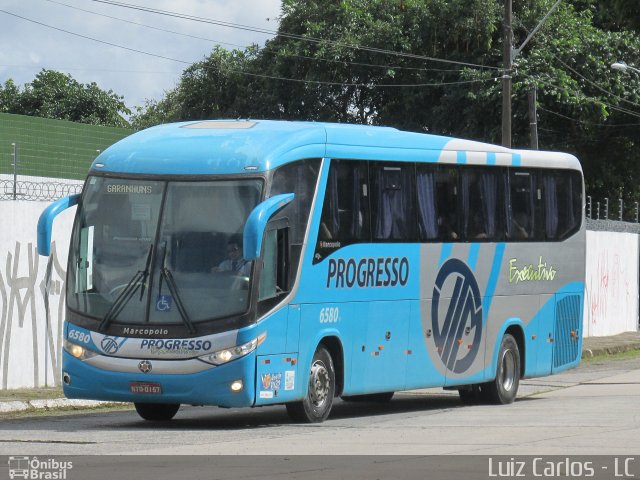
[[78, 351], [228, 354]]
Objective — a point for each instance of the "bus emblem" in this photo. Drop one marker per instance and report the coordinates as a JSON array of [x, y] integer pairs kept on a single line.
[[109, 345], [145, 366], [463, 316]]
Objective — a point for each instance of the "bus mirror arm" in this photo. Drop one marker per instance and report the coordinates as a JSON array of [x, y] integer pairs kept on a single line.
[[45, 222], [257, 222]]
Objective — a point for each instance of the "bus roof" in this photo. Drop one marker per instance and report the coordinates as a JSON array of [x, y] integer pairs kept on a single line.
[[241, 146]]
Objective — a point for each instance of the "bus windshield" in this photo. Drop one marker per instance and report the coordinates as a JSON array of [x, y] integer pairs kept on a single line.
[[160, 253]]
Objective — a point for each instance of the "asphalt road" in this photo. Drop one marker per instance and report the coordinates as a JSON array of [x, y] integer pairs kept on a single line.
[[586, 411]]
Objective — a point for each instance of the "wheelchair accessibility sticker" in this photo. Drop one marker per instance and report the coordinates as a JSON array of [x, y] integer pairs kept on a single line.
[[163, 303]]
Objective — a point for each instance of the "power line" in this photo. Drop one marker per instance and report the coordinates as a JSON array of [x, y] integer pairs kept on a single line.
[[587, 123], [290, 35], [257, 75], [596, 85], [145, 25], [196, 37], [85, 69], [593, 100]]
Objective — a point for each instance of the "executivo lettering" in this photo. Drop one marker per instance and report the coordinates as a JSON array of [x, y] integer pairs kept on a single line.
[[531, 273]]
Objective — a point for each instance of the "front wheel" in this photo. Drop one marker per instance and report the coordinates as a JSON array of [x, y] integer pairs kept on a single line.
[[316, 405], [157, 412], [504, 388]]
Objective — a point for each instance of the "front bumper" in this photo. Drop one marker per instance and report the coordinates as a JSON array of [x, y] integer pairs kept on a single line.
[[208, 387]]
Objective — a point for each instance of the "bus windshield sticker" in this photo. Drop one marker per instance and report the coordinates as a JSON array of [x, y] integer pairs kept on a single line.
[[163, 303], [141, 211]]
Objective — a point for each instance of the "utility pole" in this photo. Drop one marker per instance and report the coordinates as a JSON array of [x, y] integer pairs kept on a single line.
[[533, 116], [506, 75], [508, 56]]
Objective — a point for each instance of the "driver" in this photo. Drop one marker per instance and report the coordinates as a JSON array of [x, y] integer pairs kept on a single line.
[[234, 261]]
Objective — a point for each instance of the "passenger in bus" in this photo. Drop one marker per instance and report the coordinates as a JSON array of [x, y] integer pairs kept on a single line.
[[477, 227], [234, 262], [518, 222], [446, 228]]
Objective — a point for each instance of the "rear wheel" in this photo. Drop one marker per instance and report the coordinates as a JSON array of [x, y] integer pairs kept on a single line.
[[504, 388], [157, 412], [370, 397], [316, 405]]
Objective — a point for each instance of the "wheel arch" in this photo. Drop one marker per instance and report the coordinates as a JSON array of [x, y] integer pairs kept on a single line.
[[517, 332], [515, 328], [334, 347]]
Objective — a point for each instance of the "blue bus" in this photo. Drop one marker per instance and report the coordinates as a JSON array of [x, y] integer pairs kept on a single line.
[[249, 263]]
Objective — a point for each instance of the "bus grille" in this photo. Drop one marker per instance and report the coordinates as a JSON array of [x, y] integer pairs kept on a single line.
[[566, 345]]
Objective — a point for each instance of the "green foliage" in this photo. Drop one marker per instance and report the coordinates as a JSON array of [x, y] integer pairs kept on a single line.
[[583, 105], [57, 95]]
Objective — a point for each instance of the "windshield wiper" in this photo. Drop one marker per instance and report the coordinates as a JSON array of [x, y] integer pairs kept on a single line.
[[173, 288], [139, 278]]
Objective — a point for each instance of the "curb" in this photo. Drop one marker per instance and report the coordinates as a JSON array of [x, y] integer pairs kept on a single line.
[[611, 350], [49, 404]]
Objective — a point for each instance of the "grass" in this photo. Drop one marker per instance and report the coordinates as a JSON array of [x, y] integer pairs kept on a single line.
[[628, 355], [27, 394]]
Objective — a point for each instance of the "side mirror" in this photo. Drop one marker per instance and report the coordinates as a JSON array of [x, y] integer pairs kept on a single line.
[[257, 222], [45, 222]]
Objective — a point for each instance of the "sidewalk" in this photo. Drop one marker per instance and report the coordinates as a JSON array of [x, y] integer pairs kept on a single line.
[[52, 398]]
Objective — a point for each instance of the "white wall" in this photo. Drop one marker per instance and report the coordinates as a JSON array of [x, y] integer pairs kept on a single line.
[[30, 353], [611, 297], [29, 350]]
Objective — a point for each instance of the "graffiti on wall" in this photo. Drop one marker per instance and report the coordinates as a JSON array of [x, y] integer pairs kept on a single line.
[[32, 304], [611, 287]]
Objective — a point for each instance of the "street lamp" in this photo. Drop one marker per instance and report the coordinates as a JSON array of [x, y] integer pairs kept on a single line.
[[623, 67]]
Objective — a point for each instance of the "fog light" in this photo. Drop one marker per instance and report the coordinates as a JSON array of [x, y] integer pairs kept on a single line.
[[236, 386], [66, 378]]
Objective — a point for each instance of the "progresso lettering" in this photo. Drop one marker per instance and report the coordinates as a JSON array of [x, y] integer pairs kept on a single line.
[[368, 272], [176, 344]]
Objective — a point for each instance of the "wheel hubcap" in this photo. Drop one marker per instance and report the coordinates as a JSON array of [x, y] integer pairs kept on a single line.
[[319, 383], [508, 371]]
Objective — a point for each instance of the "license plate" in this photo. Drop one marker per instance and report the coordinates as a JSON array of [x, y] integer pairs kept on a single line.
[[146, 388]]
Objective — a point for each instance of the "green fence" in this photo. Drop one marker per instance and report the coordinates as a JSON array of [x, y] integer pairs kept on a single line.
[[52, 148]]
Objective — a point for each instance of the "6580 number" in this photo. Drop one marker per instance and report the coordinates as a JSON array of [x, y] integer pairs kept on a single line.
[[329, 315]]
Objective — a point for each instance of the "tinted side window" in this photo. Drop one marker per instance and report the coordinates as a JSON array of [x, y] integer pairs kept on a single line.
[[482, 204], [523, 207], [393, 202], [345, 212], [561, 194], [437, 203], [300, 178]]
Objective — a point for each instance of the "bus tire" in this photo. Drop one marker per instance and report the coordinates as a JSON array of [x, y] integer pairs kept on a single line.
[[316, 405], [157, 412], [383, 397], [503, 389]]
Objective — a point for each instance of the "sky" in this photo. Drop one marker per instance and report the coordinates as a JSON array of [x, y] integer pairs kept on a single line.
[[27, 47]]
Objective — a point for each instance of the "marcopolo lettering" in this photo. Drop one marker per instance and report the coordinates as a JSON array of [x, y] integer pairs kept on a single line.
[[176, 344], [145, 331], [381, 272]]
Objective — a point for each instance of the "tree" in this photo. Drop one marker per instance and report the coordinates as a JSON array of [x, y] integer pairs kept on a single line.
[[212, 88], [57, 95], [331, 61]]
